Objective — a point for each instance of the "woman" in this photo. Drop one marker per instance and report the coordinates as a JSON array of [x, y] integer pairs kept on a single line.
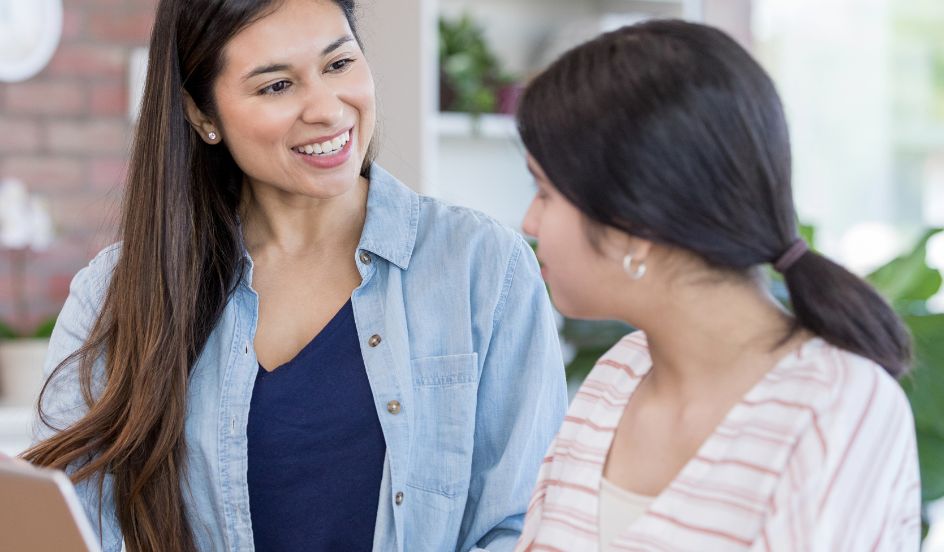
[[725, 423], [290, 350]]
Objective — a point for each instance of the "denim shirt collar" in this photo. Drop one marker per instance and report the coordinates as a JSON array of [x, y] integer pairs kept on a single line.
[[392, 217], [390, 226]]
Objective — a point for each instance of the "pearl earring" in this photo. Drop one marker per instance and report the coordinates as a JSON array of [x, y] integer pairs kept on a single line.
[[628, 268], [211, 136]]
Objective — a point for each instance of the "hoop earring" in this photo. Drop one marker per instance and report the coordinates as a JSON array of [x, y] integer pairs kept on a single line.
[[640, 270]]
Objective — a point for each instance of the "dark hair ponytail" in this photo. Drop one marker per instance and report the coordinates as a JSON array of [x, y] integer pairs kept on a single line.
[[846, 311], [671, 132]]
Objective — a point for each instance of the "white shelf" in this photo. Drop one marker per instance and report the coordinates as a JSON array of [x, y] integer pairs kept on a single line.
[[486, 125]]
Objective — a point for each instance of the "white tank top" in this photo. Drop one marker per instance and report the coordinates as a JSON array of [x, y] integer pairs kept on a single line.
[[618, 509]]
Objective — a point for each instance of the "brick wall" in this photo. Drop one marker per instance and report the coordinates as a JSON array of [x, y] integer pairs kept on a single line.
[[65, 133]]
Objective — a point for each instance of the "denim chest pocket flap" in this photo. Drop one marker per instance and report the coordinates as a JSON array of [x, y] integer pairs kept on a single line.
[[444, 397]]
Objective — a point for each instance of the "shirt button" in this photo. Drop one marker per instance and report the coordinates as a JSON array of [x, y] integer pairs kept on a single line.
[[393, 407], [247, 348], [374, 340], [398, 498], [365, 257]]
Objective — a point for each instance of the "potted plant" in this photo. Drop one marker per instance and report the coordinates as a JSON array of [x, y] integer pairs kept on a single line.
[[471, 79], [25, 227]]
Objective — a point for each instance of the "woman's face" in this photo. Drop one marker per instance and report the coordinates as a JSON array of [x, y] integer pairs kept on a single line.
[[582, 280], [295, 100]]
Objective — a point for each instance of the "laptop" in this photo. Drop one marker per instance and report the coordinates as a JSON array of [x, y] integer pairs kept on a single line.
[[40, 512]]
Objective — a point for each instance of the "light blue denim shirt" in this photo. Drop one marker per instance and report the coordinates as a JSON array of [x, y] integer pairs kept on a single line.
[[454, 324]]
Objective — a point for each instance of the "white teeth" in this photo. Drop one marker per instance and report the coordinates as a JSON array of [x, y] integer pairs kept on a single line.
[[327, 147]]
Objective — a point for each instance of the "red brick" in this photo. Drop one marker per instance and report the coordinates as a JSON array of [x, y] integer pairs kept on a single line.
[[84, 214], [19, 135], [132, 28], [4, 273], [59, 285], [88, 61], [109, 99], [101, 239], [45, 174], [94, 136], [73, 23], [85, 4], [108, 174], [52, 98]]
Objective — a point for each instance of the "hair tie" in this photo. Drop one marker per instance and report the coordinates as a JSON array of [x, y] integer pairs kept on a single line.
[[791, 256]]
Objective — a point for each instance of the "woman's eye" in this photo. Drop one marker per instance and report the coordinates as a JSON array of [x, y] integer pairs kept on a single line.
[[340, 65], [276, 88]]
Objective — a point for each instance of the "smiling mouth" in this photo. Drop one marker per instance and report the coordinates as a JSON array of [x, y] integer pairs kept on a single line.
[[326, 148]]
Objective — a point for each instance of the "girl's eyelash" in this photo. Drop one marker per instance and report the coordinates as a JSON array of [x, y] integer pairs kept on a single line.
[[345, 63]]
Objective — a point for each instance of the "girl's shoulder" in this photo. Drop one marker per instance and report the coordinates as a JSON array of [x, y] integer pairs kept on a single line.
[[833, 383]]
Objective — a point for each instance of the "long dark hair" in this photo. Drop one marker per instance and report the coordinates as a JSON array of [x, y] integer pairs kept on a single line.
[[179, 263], [671, 132]]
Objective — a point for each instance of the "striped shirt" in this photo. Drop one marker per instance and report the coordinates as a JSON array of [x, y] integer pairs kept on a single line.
[[818, 455]]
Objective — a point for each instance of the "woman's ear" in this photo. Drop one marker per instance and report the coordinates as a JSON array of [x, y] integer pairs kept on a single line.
[[205, 127], [618, 244]]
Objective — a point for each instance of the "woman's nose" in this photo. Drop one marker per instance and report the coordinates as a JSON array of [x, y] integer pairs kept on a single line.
[[322, 106]]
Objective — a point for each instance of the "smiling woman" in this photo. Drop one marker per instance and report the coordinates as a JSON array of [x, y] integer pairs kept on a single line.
[[290, 349]]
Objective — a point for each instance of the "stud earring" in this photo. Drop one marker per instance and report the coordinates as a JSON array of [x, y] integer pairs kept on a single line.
[[211, 136], [640, 270]]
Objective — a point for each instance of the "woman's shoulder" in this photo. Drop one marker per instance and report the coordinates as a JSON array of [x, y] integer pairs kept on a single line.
[[461, 227], [94, 278], [106, 259], [843, 391]]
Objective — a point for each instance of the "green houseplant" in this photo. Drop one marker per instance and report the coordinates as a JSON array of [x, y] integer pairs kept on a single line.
[[471, 79], [908, 282]]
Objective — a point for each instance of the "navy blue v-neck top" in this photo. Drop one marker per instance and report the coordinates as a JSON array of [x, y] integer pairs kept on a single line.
[[316, 449]]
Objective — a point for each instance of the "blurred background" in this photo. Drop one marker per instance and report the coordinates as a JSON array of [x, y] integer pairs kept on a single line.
[[862, 81]]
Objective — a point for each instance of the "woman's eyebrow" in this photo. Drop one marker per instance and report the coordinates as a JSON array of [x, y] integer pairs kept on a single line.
[[275, 67], [271, 68], [337, 44]]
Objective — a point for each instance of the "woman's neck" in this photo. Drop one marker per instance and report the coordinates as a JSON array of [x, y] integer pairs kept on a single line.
[[275, 222]]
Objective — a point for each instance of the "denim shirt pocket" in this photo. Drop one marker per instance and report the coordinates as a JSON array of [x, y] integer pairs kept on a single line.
[[444, 402]]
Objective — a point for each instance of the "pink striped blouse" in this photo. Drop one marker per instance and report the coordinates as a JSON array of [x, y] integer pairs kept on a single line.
[[819, 455]]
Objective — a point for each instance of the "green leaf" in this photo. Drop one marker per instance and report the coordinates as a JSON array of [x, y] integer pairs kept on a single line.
[[582, 363], [908, 278], [808, 233], [591, 338], [925, 384], [7, 332], [45, 329], [931, 460]]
